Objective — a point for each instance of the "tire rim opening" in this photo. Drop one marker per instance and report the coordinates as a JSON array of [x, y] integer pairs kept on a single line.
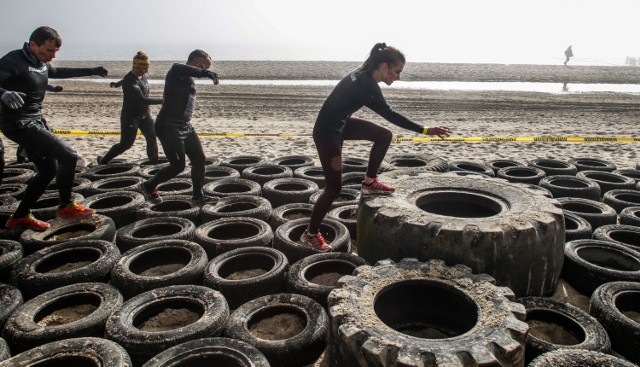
[[277, 323], [168, 314], [246, 266], [627, 303], [608, 258], [160, 261], [554, 328], [459, 204]]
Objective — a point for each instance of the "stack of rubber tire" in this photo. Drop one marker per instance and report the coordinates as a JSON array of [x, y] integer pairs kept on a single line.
[[456, 268]]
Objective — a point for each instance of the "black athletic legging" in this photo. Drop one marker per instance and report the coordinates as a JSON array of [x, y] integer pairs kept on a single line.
[[129, 129], [177, 142], [52, 157], [330, 155]]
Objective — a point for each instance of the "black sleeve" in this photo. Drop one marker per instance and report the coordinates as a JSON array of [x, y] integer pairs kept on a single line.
[[181, 70], [376, 102], [64, 73], [135, 93], [6, 74]]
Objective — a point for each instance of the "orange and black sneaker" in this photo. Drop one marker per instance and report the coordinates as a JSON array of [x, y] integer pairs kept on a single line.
[[316, 242], [28, 222], [151, 196], [376, 187], [74, 210]]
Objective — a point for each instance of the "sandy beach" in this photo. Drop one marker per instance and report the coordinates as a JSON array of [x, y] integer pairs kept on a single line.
[[255, 109]]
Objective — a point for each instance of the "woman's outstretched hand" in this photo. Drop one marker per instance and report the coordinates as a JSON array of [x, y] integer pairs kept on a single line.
[[440, 131]]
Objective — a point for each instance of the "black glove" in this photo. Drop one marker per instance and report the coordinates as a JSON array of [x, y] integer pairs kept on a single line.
[[213, 76], [99, 71]]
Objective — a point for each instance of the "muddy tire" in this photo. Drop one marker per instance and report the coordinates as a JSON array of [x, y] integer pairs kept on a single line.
[[287, 212], [95, 227], [126, 326], [294, 161], [423, 162], [184, 263], [232, 186], [586, 332], [10, 300], [212, 173], [596, 213], [176, 186], [8, 201], [98, 172], [66, 263], [48, 204], [311, 173], [266, 172], [71, 352], [13, 189], [122, 183], [576, 228], [620, 199], [470, 166], [631, 216], [315, 276], [17, 175], [287, 238], [8, 234], [612, 304], [621, 234], [497, 164], [224, 273], [296, 350], [388, 307], [554, 167], [79, 185], [608, 181], [149, 171], [210, 352], [347, 215], [590, 263], [593, 164], [524, 174], [121, 206], [562, 186], [4, 349], [154, 229], [354, 164], [226, 234], [10, 254], [289, 190], [180, 206], [573, 358], [487, 225], [346, 197], [246, 206], [29, 326], [240, 162]]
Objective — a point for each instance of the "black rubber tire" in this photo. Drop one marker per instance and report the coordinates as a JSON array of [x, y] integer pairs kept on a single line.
[[212, 173], [593, 164], [49, 203], [523, 174], [218, 272], [608, 181], [80, 185], [17, 175], [232, 186], [226, 234], [66, 263], [582, 358], [470, 166], [311, 173], [554, 167], [176, 186], [491, 226], [154, 229], [247, 206], [73, 352], [98, 172], [298, 350], [10, 254], [143, 162], [95, 227], [24, 329], [612, 304], [346, 197], [10, 300], [266, 172], [287, 212], [535, 189], [15, 190], [121, 206], [423, 162], [619, 199], [631, 173], [631, 216], [210, 352], [622, 234], [294, 161], [301, 275], [7, 200], [289, 190], [562, 186], [240, 162], [354, 164], [589, 334], [576, 228], [4, 349], [596, 213], [353, 178], [497, 164], [150, 171], [181, 206], [590, 263], [121, 183], [347, 215], [128, 272], [454, 173], [124, 325], [375, 310], [287, 238]]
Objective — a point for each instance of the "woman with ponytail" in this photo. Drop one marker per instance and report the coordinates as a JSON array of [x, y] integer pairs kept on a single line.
[[135, 111], [334, 125]]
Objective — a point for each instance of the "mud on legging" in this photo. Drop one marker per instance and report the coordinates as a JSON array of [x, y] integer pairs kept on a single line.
[[330, 155], [129, 129], [52, 157]]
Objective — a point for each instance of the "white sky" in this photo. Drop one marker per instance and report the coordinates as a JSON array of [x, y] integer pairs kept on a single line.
[[501, 31]]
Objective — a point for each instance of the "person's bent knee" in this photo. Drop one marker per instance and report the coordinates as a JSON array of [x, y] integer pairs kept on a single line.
[[385, 135]]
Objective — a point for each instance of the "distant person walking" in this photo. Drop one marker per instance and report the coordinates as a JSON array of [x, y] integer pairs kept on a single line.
[[24, 76], [177, 136], [334, 125], [135, 112], [569, 54]]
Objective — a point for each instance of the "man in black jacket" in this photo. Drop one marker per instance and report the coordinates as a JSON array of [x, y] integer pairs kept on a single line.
[[24, 76]]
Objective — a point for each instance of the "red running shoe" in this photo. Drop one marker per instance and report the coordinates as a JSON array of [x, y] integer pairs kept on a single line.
[[376, 187], [29, 222], [74, 210], [315, 242]]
